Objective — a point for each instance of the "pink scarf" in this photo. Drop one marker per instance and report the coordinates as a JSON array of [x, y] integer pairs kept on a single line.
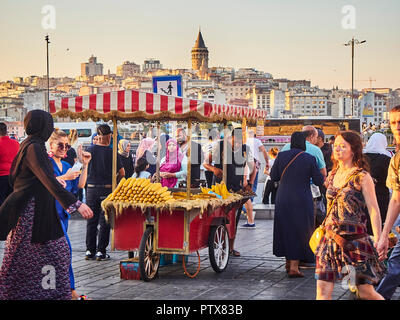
[[172, 164], [145, 144]]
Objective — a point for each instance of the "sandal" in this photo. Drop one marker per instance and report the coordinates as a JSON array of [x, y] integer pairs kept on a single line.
[[235, 253], [295, 274], [287, 266]]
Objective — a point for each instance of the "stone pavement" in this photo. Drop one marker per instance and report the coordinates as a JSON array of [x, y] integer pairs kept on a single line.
[[256, 275]]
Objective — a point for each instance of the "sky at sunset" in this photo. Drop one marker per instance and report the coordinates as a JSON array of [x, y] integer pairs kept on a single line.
[[294, 39]]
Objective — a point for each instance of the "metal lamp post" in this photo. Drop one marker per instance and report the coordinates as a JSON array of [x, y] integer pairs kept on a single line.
[[48, 79], [352, 42]]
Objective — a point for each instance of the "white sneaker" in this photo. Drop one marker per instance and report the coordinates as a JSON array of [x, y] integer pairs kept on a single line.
[[102, 256], [89, 255]]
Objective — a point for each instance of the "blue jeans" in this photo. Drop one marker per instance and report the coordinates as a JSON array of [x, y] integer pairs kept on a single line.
[[391, 281]]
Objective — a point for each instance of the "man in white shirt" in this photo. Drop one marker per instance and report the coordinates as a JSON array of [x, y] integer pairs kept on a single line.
[[256, 147]]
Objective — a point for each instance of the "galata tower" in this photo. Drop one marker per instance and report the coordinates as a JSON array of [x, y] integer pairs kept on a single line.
[[199, 54]]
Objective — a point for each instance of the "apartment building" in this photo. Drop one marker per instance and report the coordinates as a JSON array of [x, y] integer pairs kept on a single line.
[[151, 64], [12, 108], [308, 103], [277, 103], [261, 98], [91, 68], [128, 69], [236, 90], [212, 96], [374, 107]]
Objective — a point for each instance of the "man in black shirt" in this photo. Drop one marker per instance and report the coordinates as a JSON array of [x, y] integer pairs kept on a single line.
[[326, 149], [238, 155], [99, 186]]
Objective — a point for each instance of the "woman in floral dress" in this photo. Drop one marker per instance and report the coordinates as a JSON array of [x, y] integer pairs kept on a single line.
[[346, 251]]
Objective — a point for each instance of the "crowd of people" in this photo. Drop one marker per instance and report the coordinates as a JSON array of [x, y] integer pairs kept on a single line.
[[350, 189], [353, 185]]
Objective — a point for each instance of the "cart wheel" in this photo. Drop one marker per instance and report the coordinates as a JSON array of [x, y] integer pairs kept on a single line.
[[218, 248], [149, 261]]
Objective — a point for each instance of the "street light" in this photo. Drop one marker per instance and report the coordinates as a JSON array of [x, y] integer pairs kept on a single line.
[[352, 42], [48, 80]]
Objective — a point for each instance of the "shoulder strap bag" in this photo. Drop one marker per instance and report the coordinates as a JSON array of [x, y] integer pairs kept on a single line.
[[276, 183]]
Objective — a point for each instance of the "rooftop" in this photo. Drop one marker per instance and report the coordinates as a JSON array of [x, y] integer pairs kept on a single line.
[[199, 42]]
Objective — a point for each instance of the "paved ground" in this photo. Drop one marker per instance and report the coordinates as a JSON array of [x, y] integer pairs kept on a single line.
[[256, 275]]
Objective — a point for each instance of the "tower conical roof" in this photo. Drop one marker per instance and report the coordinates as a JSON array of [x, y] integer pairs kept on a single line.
[[199, 42]]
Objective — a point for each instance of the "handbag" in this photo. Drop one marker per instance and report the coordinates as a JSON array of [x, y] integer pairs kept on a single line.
[[319, 232], [316, 238]]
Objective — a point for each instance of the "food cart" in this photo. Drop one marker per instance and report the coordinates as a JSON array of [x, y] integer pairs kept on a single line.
[[179, 227]]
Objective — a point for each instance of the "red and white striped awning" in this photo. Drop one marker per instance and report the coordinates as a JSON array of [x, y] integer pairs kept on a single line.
[[137, 105]]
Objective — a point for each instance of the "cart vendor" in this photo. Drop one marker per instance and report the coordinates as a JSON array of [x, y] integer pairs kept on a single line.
[[238, 156], [173, 167], [196, 156], [99, 184]]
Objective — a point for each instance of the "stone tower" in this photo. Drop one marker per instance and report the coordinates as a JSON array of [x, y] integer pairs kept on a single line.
[[199, 54]]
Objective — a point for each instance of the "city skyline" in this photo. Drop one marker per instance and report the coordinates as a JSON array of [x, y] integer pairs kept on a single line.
[[290, 39]]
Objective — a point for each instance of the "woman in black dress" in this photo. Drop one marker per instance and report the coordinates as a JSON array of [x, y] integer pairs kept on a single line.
[[36, 244], [294, 208]]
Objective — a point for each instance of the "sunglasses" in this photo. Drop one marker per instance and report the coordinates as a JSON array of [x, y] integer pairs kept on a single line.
[[62, 146]]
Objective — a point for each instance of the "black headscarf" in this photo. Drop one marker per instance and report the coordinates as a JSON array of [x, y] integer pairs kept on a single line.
[[32, 177], [39, 126], [298, 141]]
